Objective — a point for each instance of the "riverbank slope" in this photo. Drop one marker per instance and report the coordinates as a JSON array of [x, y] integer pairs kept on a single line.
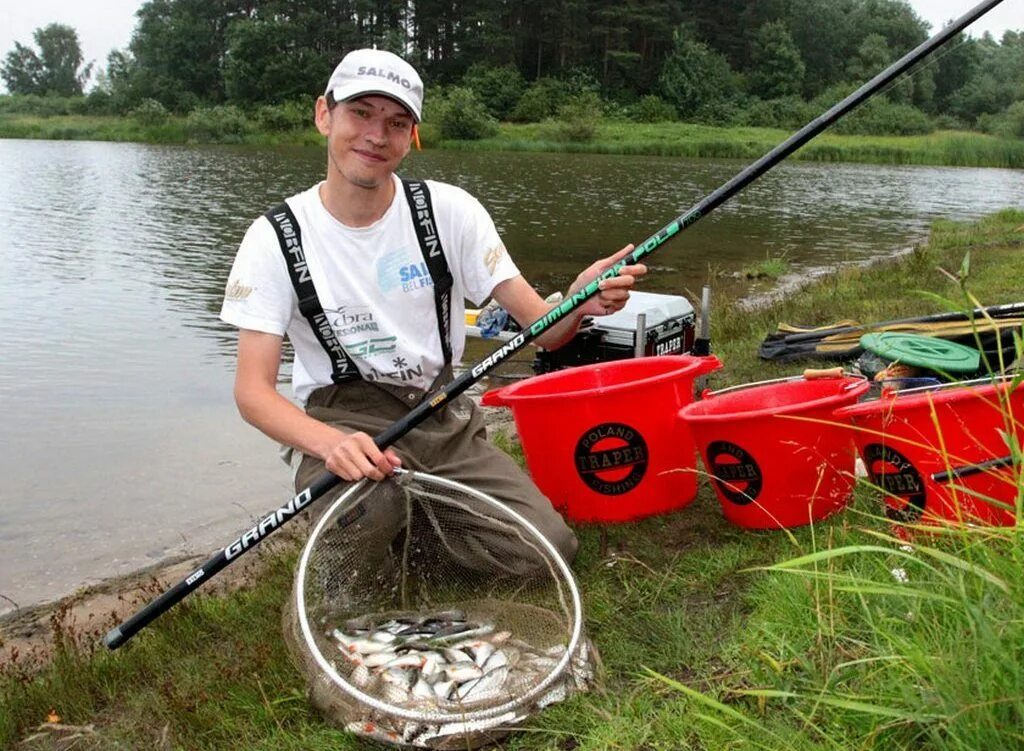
[[702, 646]]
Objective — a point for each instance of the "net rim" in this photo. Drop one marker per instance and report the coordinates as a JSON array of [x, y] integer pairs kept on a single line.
[[433, 717]]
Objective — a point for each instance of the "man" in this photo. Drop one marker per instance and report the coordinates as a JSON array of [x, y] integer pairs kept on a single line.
[[367, 339]]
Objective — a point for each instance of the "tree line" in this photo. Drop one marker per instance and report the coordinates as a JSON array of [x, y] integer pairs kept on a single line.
[[718, 61]]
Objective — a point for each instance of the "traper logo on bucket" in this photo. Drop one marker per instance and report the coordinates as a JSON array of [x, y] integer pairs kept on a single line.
[[735, 472], [611, 458], [898, 478]]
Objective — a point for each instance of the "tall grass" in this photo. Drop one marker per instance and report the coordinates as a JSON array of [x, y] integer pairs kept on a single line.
[[873, 643], [891, 638], [951, 148], [128, 129]]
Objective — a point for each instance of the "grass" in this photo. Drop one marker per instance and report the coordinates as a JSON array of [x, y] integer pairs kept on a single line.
[[771, 267], [949, 148], [711, 636], [109, 128]]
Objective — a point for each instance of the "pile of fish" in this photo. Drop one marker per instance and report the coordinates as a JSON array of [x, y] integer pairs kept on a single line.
[[441, 659]]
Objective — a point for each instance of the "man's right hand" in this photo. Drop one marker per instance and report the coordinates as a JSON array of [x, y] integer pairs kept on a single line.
[[351, 456], [356, 456]]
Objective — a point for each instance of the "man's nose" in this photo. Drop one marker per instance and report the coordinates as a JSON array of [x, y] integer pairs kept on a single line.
[[375, 132]]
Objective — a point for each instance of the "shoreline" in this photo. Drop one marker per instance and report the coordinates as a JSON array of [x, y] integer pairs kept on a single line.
[[674, 139]]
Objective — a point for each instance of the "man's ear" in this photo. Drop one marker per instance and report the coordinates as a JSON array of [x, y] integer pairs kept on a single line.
[[322, 116]]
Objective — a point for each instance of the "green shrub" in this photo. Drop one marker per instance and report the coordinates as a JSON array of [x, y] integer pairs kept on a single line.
[[880, 117], [100, 102], [832, 95], [498, 88], [651, 109], [788, 112], [462, 116], [150, 112], [1008, 124], [948, 122], [284, 117], [223, 123], [579, 80], [433, 104], [612, 109], [540, 101], [578, 117]]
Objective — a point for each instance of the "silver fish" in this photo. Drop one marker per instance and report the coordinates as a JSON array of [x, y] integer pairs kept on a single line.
[[468, 637], [368, 646], [407, 660], [361, 676], [484, 687], [373, 732], [433, 664], [456, 655], [463, 671], [378, 659], [423, 690], [481, 651], [398, 677], [497, 659], [342, 638], [353, 657], [443, 689]]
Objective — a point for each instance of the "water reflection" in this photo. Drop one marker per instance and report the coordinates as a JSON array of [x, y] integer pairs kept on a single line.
[[115, 380]]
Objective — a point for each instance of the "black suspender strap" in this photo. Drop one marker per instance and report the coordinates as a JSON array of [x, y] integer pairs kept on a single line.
[[430, 244], [343, 369]]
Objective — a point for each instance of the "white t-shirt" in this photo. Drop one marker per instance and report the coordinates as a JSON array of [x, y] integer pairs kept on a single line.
[[373, 285]]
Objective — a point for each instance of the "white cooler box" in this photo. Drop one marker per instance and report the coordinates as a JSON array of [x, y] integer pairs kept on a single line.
[[666, 328]]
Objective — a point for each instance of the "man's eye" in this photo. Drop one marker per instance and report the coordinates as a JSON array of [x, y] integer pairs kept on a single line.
[[399, 125]]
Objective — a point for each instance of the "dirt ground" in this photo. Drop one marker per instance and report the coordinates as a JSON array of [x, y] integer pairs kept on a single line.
[[28, 636]]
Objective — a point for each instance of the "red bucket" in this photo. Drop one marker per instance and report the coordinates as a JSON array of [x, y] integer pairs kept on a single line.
[[600, 439], [908, 437], [770, 470]]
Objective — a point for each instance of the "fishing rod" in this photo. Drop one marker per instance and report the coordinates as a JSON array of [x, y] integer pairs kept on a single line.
[[269, 524], [973, 469], [994, 311]]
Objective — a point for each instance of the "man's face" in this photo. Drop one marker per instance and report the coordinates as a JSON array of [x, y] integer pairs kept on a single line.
[[367, 138]]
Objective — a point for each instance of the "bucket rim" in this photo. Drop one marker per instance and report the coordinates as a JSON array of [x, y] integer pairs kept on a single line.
[[893, 401], [695, 364], [856, 386]]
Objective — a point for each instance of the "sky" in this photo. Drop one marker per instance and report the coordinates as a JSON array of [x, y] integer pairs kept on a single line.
[[107, 25]]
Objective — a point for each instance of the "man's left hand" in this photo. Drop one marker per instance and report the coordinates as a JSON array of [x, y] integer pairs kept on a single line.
[[614, 290]]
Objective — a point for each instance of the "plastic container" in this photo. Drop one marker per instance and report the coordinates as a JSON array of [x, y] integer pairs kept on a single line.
[[776, 455], [907, 437], [602, 441]]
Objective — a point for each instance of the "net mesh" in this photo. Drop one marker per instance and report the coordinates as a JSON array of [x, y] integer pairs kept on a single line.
[[428, 614]]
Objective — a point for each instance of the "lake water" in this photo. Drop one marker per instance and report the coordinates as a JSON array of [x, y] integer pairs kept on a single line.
[[120, 441]]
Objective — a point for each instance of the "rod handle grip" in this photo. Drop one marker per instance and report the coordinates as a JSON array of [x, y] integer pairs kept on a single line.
[[815, 374]]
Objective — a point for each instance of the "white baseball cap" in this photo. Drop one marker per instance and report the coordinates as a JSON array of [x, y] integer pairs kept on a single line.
[[379, 72]]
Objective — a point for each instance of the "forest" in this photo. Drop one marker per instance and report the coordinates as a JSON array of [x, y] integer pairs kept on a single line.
[[766, 63]]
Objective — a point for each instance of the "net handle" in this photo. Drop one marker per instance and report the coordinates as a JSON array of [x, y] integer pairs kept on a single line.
[[408, 714]]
